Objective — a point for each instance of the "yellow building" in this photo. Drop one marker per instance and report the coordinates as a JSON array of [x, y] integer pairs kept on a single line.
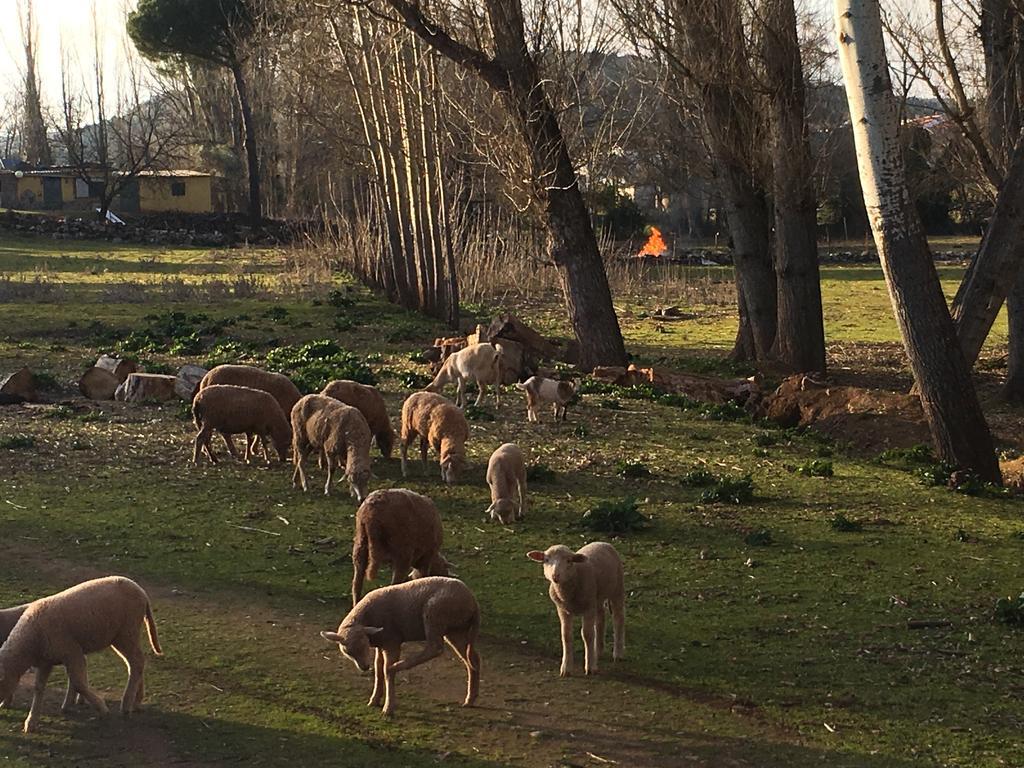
[[62, 189]]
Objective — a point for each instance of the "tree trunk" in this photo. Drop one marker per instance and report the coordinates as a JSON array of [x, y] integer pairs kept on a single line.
[[1013, 387], [251, 155], [948, 399], [800, 333]]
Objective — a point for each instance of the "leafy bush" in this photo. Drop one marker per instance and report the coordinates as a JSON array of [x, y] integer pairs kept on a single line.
[[610, 403], [580, 431], [477, 413], [759, 538], [908, 458], [815, 468], [16, 442], [277, 314], [730, 490], [60, 412], [632, 468], [842, 523], [155, 366], [698, 477], [614, 517], [1010, 611], [172, 332], [414, 380], [342, 323], [764, 439], [339, 299], [540, 473], [46, 381], [311, 366], [226, 353]]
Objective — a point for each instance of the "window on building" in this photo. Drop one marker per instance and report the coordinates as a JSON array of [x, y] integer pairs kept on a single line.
[[81, 188], [177, 189]]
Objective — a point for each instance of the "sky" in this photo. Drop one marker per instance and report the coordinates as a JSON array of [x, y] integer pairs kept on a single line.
[[63, 25]]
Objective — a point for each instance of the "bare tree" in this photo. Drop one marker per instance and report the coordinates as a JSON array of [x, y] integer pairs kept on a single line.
[[943, 379], [35, 145]]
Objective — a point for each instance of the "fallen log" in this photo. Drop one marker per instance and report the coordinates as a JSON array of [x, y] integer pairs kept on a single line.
[[119, 367], [187, 381], [142, 387], [18, 387], [98, 384]]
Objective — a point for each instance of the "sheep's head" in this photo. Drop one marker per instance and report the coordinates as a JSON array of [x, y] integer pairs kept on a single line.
[[438, 567], [8, 683], [358, 483], [451, 467], [559, 562], [356, 643], [503, 510]]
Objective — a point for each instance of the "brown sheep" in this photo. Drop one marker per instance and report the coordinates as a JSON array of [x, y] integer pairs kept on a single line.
[[371, 404], [438, 423], [339, 434], [233, 410], [399, 527], [276, 384]]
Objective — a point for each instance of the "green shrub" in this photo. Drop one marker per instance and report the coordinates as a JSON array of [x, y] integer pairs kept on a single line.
[[610, 403], [764, 439], [227, 353], [312, 365], [540, 473], [60, 412], [414, 380], [277, 314], [477, 413], [842, 523], [759, 538], [581, 431], [1010, 611], [46, 381], [339, 299], [632, 468], [614, 517], [698, 477], [16, 442], [730, 490], [815, 468]]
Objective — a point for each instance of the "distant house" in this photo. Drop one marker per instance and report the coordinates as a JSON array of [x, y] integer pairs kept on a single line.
[[64, 189]]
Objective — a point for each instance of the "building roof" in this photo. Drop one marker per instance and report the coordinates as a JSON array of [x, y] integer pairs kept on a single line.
[[168, 174]]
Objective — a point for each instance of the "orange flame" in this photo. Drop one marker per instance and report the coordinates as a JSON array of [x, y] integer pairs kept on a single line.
[[655, 245]]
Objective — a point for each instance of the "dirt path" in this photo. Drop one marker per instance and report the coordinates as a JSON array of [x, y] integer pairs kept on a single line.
[[526, 716]]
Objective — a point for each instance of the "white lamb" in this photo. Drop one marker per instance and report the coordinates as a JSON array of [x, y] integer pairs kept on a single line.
[[435, 609], [480, 363], [506, 472], [541, 391], [581, 583], [61, 629]]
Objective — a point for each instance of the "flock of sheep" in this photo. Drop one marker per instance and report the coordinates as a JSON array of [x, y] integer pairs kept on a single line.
[[395, 527]]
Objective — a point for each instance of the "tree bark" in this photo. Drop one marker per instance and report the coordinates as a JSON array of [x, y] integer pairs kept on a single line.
[[571, 241], [251, 154], [950, 404], [1013, 387], [800, 333]]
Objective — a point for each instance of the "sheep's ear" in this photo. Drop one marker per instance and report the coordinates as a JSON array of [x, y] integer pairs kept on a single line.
[[578, 558], [536, 555], [333, 637]]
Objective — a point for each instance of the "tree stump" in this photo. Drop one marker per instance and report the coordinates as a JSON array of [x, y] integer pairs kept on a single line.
[[187, 381], [98, 384], [140, 387], [120, 368], [18, 387]]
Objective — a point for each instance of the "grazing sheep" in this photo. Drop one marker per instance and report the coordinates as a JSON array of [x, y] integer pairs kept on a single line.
[[480, 363], [233, 410], [540, 391], [582, 583], [339, 433], [63, 628], [506, 471], [435, 609], [399, 527], [8, 619], [371, 404], [276, 384], [439, 424]]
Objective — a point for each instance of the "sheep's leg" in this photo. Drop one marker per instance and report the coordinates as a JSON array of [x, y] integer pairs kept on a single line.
[[565, 621], [400, 569], [460, 393], [78, 678], [406, 442], [463, 648], [229, 441], [298, 457], [481, 392], [589, 633], [424, 449], [330, 473], [433, 648], [127, 648], [599, 632], [521, 484], [360, 560], [70, 696], [392, 656], [42, 675], [378, 679], [202, 445], [618, 606]]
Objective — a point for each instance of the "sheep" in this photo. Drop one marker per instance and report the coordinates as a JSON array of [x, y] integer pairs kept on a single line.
[[371, 404], [440, 424], [480, 363], [276, 384], [63, 628], [540, 391], [436, 609], [505, 471], [582, 583], [231, 410], [8, 620], [338, 432], [399, 527]]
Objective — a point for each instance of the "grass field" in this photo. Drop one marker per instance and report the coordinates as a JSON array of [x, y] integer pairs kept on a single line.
[[764, 633]]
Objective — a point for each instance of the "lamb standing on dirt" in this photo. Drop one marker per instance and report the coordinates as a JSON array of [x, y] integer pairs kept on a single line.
[[541, 391], [233, 410], [506, 471], [63, 628], [371, 404], [341, 436], [480, 363], [399, 527], [437, 423], [435, 609], [581, 584]]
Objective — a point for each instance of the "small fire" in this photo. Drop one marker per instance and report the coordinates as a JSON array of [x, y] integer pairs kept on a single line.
[[655, 245]]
